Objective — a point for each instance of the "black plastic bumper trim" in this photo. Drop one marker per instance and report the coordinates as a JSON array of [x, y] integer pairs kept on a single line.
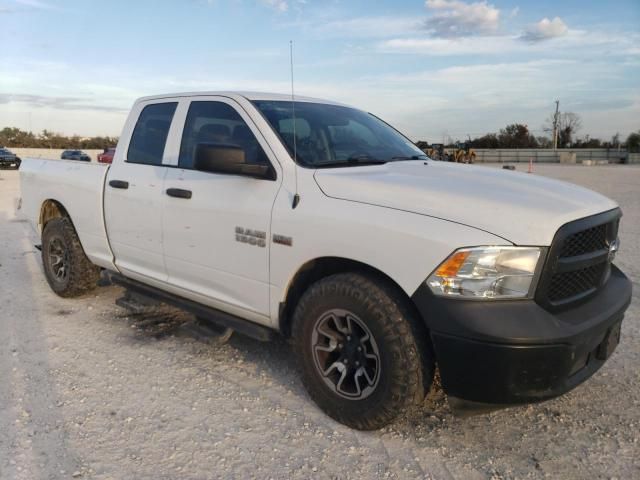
[[515, 351]]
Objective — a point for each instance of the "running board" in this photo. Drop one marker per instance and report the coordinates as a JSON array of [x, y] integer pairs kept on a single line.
[[240, 325]]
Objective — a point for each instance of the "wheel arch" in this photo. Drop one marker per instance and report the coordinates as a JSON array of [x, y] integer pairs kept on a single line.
[[321, 267], [51, 209]]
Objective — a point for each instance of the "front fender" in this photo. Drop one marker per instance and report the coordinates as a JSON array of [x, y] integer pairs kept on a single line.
[[402, 245]]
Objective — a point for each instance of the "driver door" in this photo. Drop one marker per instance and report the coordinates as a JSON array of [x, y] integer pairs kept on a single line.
[[217, 241]]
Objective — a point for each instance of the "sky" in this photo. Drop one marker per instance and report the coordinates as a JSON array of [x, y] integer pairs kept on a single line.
[[434, 69]]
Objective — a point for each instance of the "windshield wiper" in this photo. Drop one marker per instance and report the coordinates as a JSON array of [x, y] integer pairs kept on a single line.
[[413, 157], [351, 161]]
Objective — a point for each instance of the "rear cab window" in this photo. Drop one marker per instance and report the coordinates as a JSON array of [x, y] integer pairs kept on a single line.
[[150, 134]]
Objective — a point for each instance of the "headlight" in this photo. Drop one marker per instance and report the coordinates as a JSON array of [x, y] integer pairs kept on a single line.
[[487, 273]]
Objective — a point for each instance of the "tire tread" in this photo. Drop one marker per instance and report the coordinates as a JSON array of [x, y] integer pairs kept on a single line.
[[83, 275], [413, 365]]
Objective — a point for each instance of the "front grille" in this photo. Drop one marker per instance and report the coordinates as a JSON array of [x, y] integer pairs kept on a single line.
[[578, 261], [569, 284], [586, 241]]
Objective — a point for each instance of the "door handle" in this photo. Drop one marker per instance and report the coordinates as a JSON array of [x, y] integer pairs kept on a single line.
[[178, 193], [119, 184]]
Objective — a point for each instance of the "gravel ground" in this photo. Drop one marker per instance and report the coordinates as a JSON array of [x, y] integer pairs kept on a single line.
[[89, 392]]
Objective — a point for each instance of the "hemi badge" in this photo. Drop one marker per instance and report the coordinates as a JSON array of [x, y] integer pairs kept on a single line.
[[282, 240]]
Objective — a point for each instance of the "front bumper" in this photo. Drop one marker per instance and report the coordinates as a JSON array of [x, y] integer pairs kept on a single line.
[[9, 162], [515, 351]]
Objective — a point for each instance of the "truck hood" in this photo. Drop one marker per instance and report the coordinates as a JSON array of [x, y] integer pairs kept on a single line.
[[525, 209]]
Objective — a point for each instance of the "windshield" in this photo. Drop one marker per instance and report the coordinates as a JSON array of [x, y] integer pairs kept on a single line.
[[332, 135]]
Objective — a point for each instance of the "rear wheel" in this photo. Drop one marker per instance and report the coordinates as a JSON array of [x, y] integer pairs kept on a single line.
[[361, 359], [67, 269]]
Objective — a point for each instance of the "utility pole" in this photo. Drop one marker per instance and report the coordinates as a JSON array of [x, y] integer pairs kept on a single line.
[[555, 126]]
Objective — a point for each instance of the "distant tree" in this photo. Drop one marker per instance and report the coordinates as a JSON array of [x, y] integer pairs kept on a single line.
[[516, 135], [544, 142], [14, 137], [615, 140], [569, 124], [633, 142], [490, 140], [422, 144], [46, 139], [588, 142]]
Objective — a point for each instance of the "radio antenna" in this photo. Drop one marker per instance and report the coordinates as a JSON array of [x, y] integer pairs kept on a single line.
[[296, 196]]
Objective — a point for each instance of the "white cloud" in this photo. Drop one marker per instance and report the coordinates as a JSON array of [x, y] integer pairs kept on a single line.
[[574, 42], [454, 18], [447, 46], [545, 29], [369, 27], [34, 4], [60, 103], [279, 5]]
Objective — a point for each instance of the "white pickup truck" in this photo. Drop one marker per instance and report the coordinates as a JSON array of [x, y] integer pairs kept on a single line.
[[323, 223]]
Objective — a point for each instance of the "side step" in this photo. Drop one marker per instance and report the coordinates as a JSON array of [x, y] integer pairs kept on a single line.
[[136, 303], [240, 325]]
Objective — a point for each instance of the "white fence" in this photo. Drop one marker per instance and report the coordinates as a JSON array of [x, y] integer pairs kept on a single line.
[[633, 158], [543, 155]]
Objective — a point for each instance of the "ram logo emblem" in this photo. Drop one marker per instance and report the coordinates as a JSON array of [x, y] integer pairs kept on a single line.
[[613, 249]]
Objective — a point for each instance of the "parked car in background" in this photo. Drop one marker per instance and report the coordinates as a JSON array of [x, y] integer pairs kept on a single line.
[[107, 155], [8, 159], [75, 155]]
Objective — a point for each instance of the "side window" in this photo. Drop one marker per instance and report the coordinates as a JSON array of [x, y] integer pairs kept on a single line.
[[150, 134], [217, 123]]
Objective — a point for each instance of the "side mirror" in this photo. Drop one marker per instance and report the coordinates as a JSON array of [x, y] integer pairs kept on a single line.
[[229, 159]]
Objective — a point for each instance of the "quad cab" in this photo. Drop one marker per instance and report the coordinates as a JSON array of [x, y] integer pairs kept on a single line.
[[325, 225]]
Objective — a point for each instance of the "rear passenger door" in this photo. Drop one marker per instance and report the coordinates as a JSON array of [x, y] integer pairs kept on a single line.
[[134, 196], [216, 243]]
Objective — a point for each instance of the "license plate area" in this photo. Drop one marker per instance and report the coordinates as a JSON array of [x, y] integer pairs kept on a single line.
[[610, 342]]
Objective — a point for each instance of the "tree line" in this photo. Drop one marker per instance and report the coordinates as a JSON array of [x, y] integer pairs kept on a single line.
[[515, 135], [16, 138], [518, 135]]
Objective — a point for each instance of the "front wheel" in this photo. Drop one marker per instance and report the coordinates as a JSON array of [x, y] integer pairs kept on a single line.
[[361, 359], [67, 269]]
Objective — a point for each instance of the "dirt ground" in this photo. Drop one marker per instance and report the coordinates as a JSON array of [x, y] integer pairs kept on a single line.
[[89, 392]]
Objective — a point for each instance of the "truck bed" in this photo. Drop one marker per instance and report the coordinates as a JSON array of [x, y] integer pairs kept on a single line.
[[79, 188]]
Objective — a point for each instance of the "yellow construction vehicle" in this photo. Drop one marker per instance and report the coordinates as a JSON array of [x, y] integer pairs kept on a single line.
[[436, 151], [463, 153]]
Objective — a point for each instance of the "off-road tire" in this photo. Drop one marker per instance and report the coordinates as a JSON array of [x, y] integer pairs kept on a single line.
[[81, 276], [405, 359]]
